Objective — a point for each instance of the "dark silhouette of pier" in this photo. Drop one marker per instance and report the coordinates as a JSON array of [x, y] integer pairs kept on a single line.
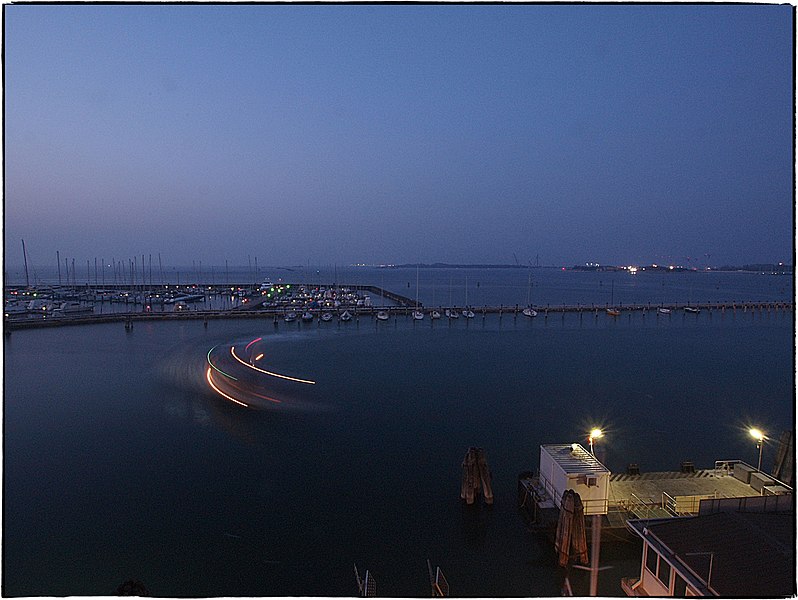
[[256, 310]]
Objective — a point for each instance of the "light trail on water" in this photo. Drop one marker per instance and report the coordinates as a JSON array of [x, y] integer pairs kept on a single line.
[[252, 342], [220, 392], [217, 368], [246, 364]]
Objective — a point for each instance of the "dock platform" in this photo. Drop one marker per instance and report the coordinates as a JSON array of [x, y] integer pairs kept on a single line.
[[663, 494]]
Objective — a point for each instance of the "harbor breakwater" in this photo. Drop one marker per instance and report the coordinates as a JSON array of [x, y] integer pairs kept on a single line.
[[258, 311]]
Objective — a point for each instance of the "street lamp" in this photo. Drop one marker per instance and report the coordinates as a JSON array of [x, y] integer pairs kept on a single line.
[[594, 435], [760, 438]]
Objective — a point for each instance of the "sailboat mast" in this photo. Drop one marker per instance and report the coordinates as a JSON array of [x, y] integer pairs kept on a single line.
[[416, 287], [58, 262], [25, 258]]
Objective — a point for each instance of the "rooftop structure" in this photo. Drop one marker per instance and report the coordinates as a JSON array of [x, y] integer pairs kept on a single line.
[[731, 554], [571, 467]]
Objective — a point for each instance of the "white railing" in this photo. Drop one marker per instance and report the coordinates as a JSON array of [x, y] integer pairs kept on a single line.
[[669, 503], [642, 509]]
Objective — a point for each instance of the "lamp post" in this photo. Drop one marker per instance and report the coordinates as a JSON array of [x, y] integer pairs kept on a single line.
[[594, 435], [760, 438]]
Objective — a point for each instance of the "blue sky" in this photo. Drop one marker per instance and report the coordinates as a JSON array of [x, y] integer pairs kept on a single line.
[[382, 133]]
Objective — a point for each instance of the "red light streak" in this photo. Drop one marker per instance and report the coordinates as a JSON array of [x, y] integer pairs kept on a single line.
[[252, 342]]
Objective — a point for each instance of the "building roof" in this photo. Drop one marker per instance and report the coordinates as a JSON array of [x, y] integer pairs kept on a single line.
[[752, 554], [574, 459]]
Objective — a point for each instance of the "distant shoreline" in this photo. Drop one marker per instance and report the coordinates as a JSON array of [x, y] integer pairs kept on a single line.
[[754, 268]]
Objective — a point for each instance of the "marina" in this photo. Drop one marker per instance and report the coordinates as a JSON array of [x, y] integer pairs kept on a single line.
[[402, 299], [503, 382], [36, 307]]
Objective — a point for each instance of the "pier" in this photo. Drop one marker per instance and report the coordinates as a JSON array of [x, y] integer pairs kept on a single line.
[[169, 302], [664, 494], [260, 310]]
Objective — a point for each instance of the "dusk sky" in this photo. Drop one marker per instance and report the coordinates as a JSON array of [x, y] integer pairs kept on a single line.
[[347, 134]]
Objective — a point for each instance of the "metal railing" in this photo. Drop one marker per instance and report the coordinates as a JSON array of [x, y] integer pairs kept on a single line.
[[590, 505], [642, 509]]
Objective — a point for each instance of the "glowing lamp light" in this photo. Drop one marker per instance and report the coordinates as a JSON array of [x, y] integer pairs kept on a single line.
[[595, 434], [760, 438]]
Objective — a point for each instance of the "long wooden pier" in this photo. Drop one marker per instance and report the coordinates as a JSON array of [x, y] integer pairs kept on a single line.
[[257, 311]]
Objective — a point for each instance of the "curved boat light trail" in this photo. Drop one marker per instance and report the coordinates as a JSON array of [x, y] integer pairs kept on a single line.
[[251, 393], [246, 364], [253, 342], [220, 392], [217, 368]]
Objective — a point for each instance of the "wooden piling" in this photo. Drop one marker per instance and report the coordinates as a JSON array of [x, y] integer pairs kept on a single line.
[[476, 477]]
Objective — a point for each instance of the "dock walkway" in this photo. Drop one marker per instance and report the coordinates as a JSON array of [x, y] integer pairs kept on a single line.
[[662, 494], [259, 309]]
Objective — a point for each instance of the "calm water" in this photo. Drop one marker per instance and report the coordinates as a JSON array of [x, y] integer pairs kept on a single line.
[[120, 463]]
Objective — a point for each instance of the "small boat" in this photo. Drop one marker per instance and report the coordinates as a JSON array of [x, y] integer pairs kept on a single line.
[[613, 312], [307, 316], [452, 314], [382, 315], [664, 311], [326, 317], [14, 307], [345, 316], [692, 310], [530, 312], [40, 306], [468, 313], [74, 308], [290, 317], [418, 315], [181, 306], [435, 315]]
